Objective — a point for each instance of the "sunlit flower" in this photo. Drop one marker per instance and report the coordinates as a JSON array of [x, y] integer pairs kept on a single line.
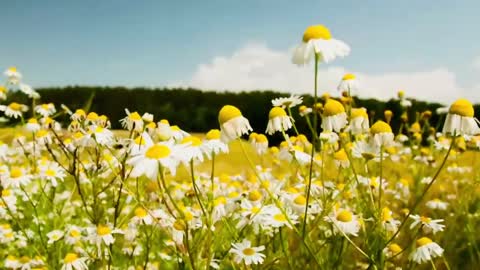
[[15, 178], [278, 120], [54, 236], [32, 125], [382, 134], [73, 262], [232, 123], [14, 110], [425, 251], [460, 119], [213, 144], [287, 102], [334, 117], [437, 204], [13, 75], [358, 121], [348, 83], [244, 251], [132, 121], [344, 221], [28, 90], [317, 40], [46, 109], [428, 224]]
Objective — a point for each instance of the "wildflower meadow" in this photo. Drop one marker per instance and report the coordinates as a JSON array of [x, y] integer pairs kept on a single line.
[[351, 193]]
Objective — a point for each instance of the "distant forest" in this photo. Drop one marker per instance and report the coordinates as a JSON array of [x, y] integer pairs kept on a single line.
[[196, 111]]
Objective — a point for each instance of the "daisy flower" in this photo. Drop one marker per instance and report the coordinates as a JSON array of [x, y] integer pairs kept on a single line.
[[14, 110], [358, 121], [13, 75], [344, 221], [388, 221], [73, 262], [141, 215], [15, 178], [287, 102], [79, 115], [437, 204], [278, 120], [232, 123], [425, 251], [28, 90], [317, 40], [259, 143], [213, 144], [12, 262], [392, 250], [334, 117], [341, 159], [102, 234], [382, 134], [304, 110], [348, 83], [276, 218], [244, 251], [132, 121], [46, 109], [52, 172], [73, 235], [460, 119], [32, 125], [428, 224], [54, 236], [102, 136], [147, 161], [193, 149]]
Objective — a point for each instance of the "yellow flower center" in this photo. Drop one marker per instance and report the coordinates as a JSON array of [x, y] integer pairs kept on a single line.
[[45, 106], [348, 76], [280, 217], [276, 112], [425, 219], [12, 69], [15, 106], [193, 141], [394, 248], [227, 113], [262, 138], [103, 230], [316, 32], [333, 107], [3, 89], [462, 107], [41, 133], [158, 151], [98, 129], [220, 201], [361, 112], [32, 121], [74, 233], [254, 195], [179, 225], [255, 210], [345, 216], [248, 251], [423, 241], [340, 155], [6, 192], [15, 173], [386, 214], [24, 259], [213, 134], [92, 116], [140, 212], [300, 200], [134, 116], [139, 140], [71, 257], [380, 127], [50, 172]]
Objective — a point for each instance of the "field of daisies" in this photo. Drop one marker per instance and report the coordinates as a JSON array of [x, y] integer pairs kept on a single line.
[[350, 194]]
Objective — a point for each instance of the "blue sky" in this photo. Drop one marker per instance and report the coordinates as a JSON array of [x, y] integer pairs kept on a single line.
[[117, 42]]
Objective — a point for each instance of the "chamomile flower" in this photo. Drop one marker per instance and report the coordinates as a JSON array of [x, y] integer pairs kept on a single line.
[[13, 75], [102, 234], [73, 262], [382, 134], [149, 158], [428, 224], [425, 251], [213, 144], [14, 110], [52, 172], [32, 125], [3, 92], [101, 135], [344, 221], [45, 109], [341, 159], [15, 178], [278, 120], [232, 123], [388, 221], [73, 235], [460, 119], [334, 117], [348, 83], [304, 110], [54, 236], [437, 204], [12, 262], [142, 216], [192, 149], [287, 102], [317, 40], [244, 251], [358, 121], [259, 143], [132, 121]]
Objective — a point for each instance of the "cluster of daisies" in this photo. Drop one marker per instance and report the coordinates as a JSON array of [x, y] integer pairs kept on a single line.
[[350, 193]]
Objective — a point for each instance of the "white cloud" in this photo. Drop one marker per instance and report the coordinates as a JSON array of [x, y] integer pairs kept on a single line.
[[255, 66]]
